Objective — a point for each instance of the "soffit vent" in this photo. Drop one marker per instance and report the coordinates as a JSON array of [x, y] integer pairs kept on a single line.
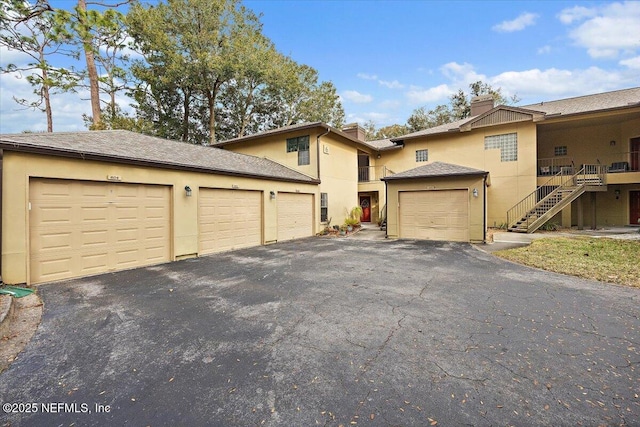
[[500, 117]]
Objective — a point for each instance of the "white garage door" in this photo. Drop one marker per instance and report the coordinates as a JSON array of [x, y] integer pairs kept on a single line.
[[78, 228], [434, 215], [295, 216], [229, 219]]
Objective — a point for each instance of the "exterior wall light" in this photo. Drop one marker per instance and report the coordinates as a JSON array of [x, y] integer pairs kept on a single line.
[[617, 194], [187, 190], [272, 195], [612, 143], [475, 192]]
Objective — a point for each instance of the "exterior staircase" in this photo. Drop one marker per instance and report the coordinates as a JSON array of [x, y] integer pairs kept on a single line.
[[553, 196]]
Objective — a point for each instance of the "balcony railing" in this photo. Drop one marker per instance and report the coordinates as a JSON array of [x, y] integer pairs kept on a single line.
[[373, 173], [613, 163]]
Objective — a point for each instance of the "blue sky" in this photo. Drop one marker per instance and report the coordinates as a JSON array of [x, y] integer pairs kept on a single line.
[[387, 58]]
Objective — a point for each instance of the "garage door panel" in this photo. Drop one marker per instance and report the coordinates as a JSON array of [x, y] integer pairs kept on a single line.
[[96, 228], [229, 219], [434, 215], [295, 216]]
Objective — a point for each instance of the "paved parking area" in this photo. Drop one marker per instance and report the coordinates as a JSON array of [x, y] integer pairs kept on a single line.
[[332, 332]]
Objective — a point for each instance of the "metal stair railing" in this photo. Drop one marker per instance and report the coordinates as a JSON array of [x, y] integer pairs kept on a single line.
[[589, 175], [525, 205]]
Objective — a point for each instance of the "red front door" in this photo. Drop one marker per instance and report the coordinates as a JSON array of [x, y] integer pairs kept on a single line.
[[635, 154], [365, 204], [634, 207]]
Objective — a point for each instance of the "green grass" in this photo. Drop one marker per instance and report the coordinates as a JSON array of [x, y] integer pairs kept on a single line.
[[606, 260]]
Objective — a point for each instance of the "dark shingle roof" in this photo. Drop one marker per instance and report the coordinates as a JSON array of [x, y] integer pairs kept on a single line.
[[299, 126], [130, 147], [618, 99], [435, 169], [589, 103], [382, 144]]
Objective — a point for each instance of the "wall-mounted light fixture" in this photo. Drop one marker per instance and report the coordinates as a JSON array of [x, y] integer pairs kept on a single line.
[[272, 195], [379, 155], [612, 143], [617, 192], [475, 192], [187, 190]]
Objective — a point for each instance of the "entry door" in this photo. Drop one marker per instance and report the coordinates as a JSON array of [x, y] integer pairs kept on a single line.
[[634, 207], [635, 154], [365, 204]]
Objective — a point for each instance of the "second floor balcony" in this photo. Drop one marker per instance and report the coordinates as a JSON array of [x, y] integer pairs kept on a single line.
[[373, 173], [613, 163]]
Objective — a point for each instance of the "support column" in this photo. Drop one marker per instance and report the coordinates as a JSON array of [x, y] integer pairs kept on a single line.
[[593, 210], [580, 214], [566, 216]]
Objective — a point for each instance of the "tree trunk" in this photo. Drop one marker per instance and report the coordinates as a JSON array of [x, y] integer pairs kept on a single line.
[[91, 64], [47, 101], [185, 117]]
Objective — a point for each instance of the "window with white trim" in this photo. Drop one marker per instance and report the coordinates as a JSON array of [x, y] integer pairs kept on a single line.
[[324, 207], [422, 155], [300, 145], [507, 143]]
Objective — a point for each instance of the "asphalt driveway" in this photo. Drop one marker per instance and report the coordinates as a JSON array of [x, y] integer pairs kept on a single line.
[[332, 332]]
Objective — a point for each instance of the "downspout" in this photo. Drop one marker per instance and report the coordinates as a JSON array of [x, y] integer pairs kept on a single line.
[[318, 149], [484, 214], [386, 202]]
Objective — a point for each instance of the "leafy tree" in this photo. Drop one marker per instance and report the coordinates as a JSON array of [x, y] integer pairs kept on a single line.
[[90, 30], [199, 43], [298, 97], [115, 118], [459, 107], [30, 29]]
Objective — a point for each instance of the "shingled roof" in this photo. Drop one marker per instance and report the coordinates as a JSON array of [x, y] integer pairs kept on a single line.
[[589, 103], [435, 169], [122, 146], [607, 101]]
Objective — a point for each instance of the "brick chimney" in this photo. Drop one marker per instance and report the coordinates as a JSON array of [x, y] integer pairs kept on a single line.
[[354, 130], [481, 104]]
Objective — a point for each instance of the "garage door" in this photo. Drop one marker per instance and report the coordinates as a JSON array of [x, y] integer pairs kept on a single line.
[[434, 215], [295, 216], [229, 219], [78, 228]]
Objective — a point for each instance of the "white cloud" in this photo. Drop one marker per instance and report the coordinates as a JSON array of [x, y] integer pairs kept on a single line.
[[461, 75], [633, 63], [366, 76], [576, 13], [391, 85], [434, 94], [605, 31], [523, 21], [544, 49], [559, 83], [357, 97]]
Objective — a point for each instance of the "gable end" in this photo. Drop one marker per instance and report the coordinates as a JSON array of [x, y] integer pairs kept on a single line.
[[497, 117]]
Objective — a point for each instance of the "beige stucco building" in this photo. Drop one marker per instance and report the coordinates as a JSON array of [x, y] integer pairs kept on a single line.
[[75, 204], [573, 161]]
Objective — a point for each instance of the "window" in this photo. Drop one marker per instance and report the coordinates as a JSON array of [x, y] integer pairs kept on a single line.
[[422, 155], [324, 207], [507, 143], [560, 151], [301, 145]]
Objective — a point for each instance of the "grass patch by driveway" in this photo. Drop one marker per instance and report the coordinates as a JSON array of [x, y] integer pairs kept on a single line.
[[606, 260]]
